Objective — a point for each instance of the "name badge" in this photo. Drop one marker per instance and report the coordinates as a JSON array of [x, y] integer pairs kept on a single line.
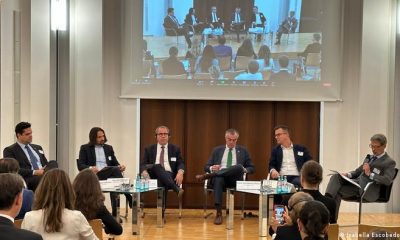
[[41, 151], [300, 153], [173, 159], [376, 171], [109, 158]]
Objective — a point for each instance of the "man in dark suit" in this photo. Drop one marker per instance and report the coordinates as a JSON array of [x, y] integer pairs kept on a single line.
[[100, 158], [11, 186], [288, 25], [171, 22], [287, 158], [237, 22], [191, 19], [31, 159], [378, 169], [314, 47], [163, 161], [214, 21], [258, 20], [283, 75], [171, 65], [226, 165]]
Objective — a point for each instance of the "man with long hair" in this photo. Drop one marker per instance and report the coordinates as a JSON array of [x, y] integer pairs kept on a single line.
[[100, 158]]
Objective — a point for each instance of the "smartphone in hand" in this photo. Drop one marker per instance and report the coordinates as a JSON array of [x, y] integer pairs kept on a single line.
[[279, 210]]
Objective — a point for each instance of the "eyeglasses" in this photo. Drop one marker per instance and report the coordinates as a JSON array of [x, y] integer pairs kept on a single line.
[[162, 134], [279, 134], [375, 146]]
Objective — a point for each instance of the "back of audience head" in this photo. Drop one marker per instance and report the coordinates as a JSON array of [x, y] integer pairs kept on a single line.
[[53, 195], [9, 165], [264, 53], [283, 61], [317, 37], [11, 186], [311, 174], [89, 198], [313, 221], [296, 203], [247, 45], [173, 52], [382, 235], [253, 67], [221, 40]]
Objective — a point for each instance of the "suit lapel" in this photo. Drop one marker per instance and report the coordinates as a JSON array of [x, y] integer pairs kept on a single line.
[[21, 153], [92, 152], [239, 156]]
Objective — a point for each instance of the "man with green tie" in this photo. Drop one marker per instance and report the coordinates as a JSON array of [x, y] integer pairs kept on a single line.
[[226, 165]]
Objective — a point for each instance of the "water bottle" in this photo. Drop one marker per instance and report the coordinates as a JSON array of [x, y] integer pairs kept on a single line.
[[279, 187], [146, 183], [142, 183], [138, 183], [285, 187]]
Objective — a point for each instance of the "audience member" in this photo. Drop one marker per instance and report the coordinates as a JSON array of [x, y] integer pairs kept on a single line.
[[171, 65], [221, 50], [11, 186], [246, 49], [53, 215], [265, 59], [163, 161], [10, 165], [313, 221], [289, 229], [100, 158], [31, 159], [258, 20], [287, 158], [214, 20], [283, 74], [288, 25], [378, 168], [311, 178], [226, 165], [90, 201], [237, 22], [252, 74], [207, 60], [314, 47], [171, 22]]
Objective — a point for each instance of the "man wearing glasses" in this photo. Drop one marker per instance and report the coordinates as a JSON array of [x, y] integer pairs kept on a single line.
[[287, 158], [378, 168], [163, 161]]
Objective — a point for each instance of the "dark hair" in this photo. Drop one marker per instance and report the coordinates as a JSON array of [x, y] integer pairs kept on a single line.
[[88, 196], [264, 53], [191, 10], [247, 48], [53, 195], [317, 37], [255, 7], [11, 185], [93, 135], [173, 51], [312, 172], [221, 40], [315, 217], [9, 165], [283, 127], [20, 127], [170, 10], [379, 138], [253, 66], [207, 58], [283, 61]]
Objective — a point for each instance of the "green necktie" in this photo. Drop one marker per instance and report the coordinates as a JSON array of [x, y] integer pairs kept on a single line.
[[229, 160]]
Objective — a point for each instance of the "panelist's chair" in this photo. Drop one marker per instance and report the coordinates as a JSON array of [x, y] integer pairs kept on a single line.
[[169, 190], [312, 61], [208, 188], [384, 195], [171, 32]]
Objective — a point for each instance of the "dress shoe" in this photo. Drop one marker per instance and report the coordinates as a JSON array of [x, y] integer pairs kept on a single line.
[[218, 218], [202, 177]]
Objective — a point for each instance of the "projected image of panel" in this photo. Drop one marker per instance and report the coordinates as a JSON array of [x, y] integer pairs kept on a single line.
[[239, 46]]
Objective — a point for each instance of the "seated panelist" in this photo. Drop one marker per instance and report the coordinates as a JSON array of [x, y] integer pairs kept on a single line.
[[237, 22], [214, 21]]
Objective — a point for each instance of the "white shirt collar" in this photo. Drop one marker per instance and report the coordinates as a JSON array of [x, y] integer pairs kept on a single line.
[[7, 216], [290, 147]]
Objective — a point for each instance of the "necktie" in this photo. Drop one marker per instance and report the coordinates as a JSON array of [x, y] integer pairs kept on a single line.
[[229, 160], [372, 159], [32, 158], [162, 156]]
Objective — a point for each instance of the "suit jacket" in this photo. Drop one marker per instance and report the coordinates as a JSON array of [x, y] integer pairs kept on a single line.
[[171, 66], [170, 23], [233, 18], [283, 76], [301, 155], [150, 154], [87, 156], [189, 20], [289, 24], [8, 231], [242, 158], [384, 169], [263, 18], [288, 232], [311, 48], [15, 151], [210, 18]]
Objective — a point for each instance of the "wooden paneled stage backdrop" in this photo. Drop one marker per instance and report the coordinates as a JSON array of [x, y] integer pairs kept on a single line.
[[198, 126]]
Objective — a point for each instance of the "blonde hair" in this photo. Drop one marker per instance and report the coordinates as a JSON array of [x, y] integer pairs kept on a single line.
[[296, 203]]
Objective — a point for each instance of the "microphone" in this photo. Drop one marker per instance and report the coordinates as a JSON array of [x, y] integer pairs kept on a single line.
[[368, 157]]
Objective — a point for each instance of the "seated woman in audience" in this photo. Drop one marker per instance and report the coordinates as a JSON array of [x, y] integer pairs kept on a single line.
[[246, 49], [310, 177], [53, 215], [264, 58], [90, 201], [313, 221], [10, 165], [205, 61], [289, 230]]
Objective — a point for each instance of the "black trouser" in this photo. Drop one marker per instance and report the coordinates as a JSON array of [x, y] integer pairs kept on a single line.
[[280, 31], [237, 27], [184, 31], [225, 178], [164, 178], [113, 172], [33, 181]]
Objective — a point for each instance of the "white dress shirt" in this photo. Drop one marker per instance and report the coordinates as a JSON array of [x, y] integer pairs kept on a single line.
[[289, 167], [167, 167], [225, 157], [100, 157]]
